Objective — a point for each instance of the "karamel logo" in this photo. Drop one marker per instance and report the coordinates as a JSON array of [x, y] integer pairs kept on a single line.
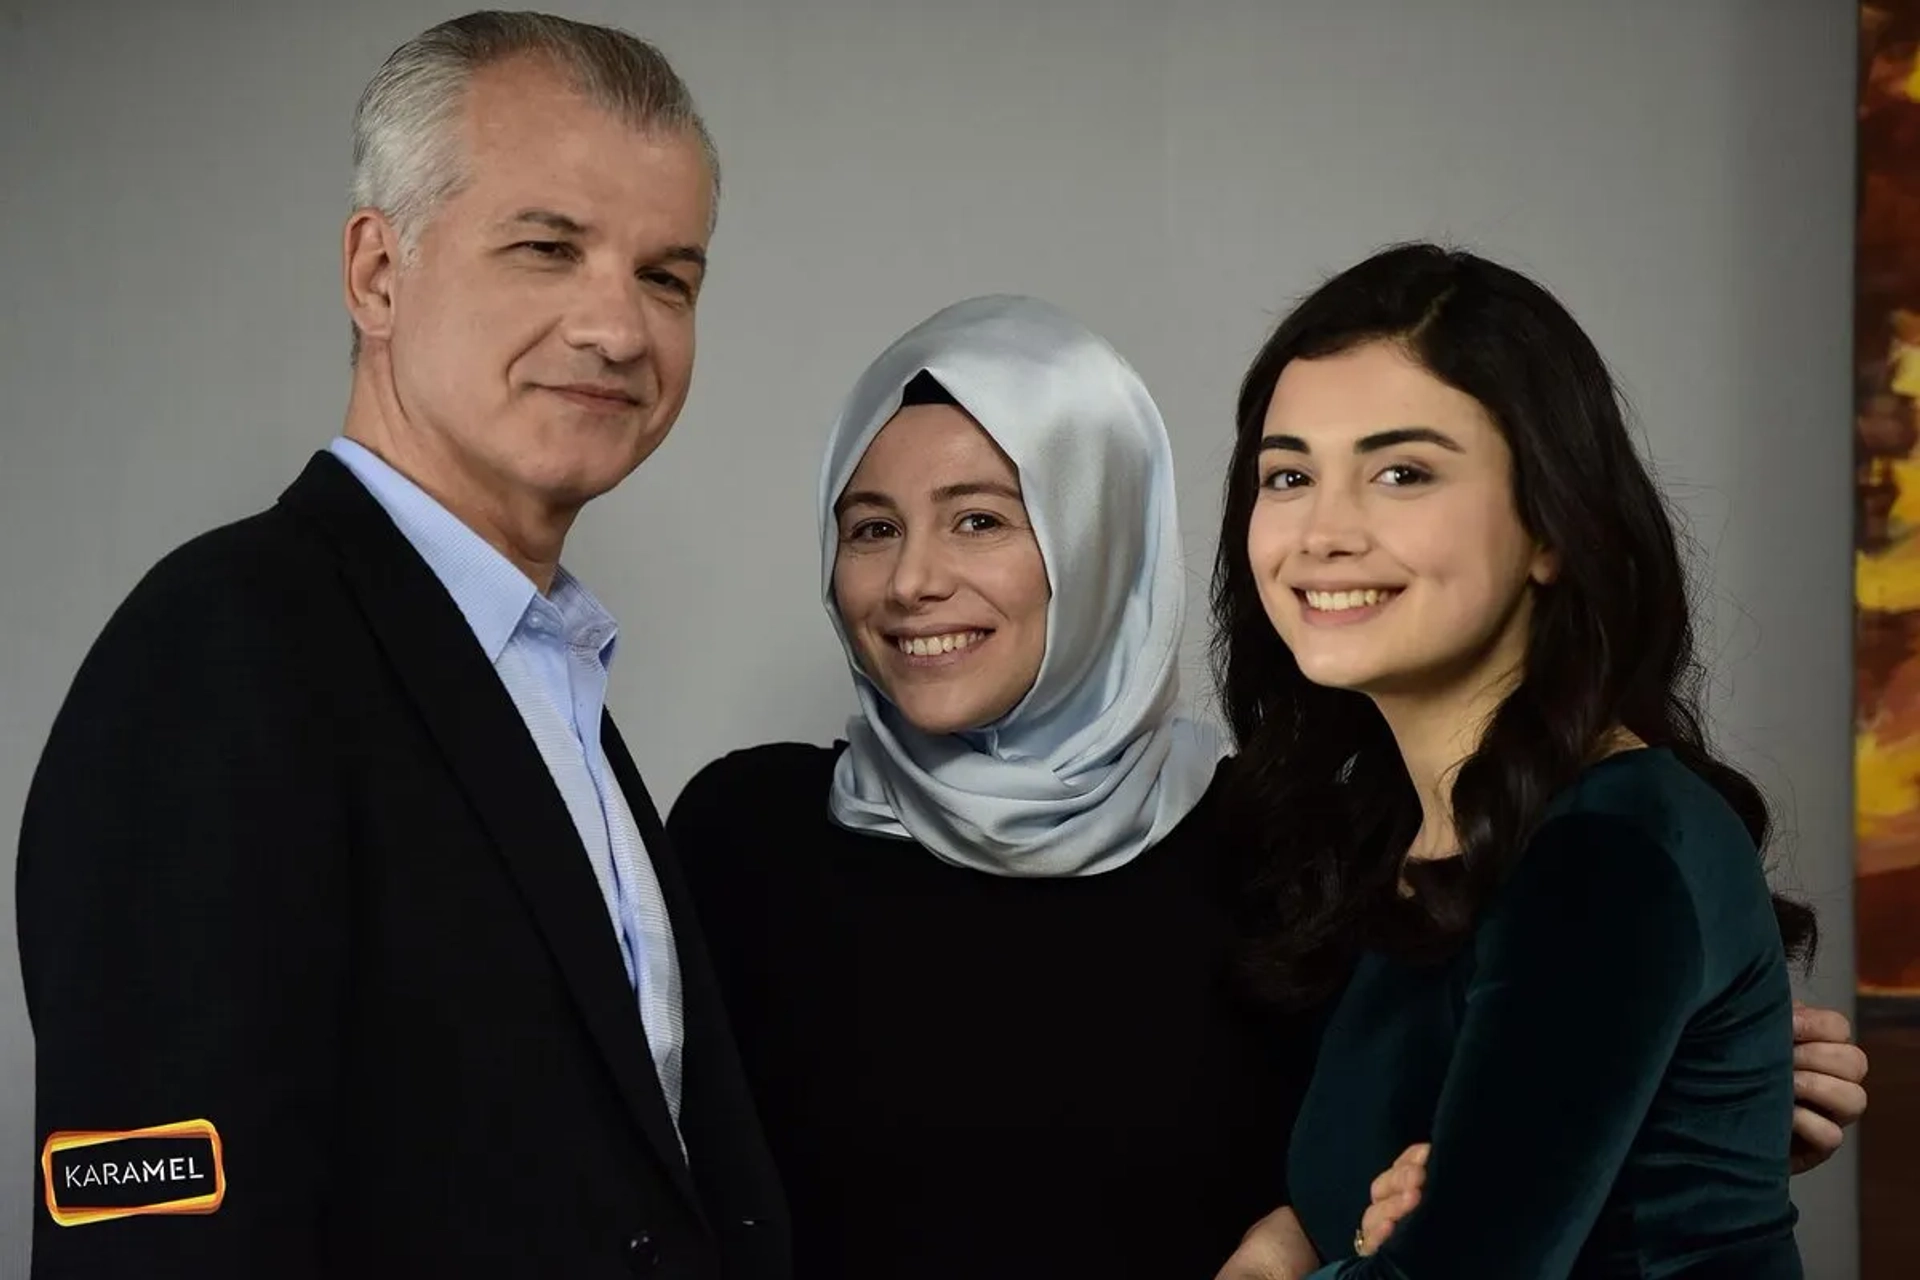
[[170, 1168]]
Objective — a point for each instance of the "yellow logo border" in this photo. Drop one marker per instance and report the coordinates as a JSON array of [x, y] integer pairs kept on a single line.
[[68, 1140]]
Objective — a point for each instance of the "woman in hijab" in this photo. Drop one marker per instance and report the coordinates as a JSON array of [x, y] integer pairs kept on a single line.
[[978, 956], [974, 955]]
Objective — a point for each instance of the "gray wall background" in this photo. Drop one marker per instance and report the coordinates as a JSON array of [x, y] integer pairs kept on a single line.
[[172, 180]]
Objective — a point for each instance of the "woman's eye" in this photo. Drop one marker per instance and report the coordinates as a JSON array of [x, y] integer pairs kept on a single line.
[[981, 522], [869, 530], [1402, 474], [1283, 478]]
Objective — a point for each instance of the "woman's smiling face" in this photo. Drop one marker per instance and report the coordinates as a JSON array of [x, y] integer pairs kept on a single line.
[[937, 576]]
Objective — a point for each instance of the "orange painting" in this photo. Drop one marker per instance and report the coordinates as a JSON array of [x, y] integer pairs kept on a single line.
[[1887, 453], [1886, 369]]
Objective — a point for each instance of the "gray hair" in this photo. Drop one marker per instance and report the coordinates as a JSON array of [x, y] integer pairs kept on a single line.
[[407, 152]]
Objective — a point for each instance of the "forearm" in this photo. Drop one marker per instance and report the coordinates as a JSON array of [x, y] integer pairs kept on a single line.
[[1570, 1024], [1274, 1248]]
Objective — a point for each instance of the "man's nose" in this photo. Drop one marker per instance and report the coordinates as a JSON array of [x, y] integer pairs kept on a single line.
[[611, 319]]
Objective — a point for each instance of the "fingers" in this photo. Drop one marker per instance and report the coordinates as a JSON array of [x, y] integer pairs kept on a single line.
[[1413, 1158], [1408, 1173], [1846, 1061], [1834, 1099], [1398, 1180], [1816, 1131], [1812, 1022], [1378, 1222], [1815, 1140], [1394, 1195]]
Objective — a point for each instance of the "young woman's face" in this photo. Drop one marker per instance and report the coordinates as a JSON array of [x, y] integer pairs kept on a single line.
[[938, 577], [1385, 541]]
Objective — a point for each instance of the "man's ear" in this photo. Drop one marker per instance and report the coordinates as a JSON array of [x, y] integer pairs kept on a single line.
[[370, 258]]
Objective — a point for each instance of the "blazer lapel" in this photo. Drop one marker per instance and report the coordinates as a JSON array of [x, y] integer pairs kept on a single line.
[[479, 730], [717, 1111]]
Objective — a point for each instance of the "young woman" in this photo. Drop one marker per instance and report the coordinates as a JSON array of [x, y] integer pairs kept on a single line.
[[978, 956], [1456, 651]]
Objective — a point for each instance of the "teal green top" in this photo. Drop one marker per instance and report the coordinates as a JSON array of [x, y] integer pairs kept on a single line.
[[1605, 1073]]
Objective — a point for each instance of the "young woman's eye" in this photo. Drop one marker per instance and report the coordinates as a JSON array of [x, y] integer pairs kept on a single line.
[[981, 522], [870, 531], [1402, 474], [1284, 478]]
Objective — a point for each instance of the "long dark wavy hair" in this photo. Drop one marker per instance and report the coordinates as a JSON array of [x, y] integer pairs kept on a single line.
[[1318, 788]]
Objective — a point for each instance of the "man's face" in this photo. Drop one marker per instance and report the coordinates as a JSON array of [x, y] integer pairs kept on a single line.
[[542, 333]]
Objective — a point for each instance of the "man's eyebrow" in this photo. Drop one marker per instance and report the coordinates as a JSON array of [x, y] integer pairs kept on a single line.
[[561, 224], [549, 219], [686, 253]]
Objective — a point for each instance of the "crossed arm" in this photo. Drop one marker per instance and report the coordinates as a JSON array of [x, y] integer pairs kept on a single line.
[[1830, 1096], [1534, 961], [1829, 1091]]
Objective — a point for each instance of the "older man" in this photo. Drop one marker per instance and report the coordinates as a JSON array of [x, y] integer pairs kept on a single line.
[[351, 939]]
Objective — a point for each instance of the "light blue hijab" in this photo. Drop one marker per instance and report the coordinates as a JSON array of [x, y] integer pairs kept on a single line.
[[1092, 766]]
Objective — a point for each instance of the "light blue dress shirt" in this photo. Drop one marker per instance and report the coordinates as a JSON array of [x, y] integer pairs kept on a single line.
[[552, 653]]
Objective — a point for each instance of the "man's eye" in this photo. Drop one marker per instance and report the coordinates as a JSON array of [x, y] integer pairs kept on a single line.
[[668, 280], [547, 248]]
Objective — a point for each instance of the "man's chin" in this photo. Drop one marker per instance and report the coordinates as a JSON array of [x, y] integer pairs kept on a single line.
[[578, 480]]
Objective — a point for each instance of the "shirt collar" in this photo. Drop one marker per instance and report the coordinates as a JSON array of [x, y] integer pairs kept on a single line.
[[491, 592], [581, 620]]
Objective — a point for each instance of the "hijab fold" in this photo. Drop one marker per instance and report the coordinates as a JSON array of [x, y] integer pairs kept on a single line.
[[1091, 767]]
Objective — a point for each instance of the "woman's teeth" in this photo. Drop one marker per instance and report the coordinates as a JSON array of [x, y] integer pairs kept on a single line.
[[929, 646], [1336, 601]]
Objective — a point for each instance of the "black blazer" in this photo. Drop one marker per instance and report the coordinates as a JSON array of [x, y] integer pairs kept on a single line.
[[292, 865]]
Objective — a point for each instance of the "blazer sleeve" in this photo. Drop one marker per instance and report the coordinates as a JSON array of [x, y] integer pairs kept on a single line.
[[182, 905], [1586, 973]]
